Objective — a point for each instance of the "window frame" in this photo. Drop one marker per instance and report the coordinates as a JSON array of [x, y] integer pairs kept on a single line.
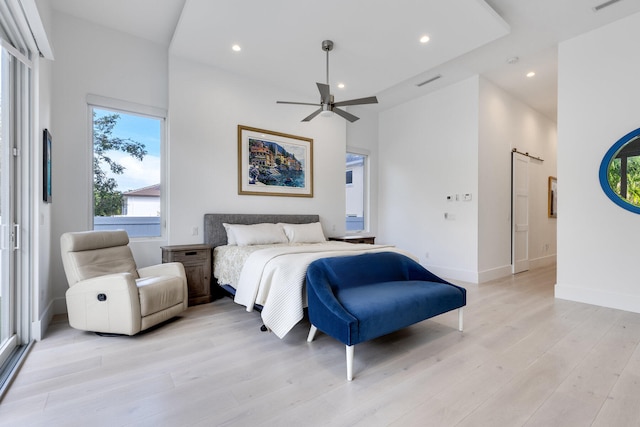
[[130, 108], [366, 183]]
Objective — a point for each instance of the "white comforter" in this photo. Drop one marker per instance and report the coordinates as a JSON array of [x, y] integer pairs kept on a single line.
[[274, 278]]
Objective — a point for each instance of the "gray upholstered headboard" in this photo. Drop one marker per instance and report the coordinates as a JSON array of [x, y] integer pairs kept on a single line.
[[215, 234]]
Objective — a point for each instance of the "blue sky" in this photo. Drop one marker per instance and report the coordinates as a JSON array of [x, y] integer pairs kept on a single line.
[[146, 131]]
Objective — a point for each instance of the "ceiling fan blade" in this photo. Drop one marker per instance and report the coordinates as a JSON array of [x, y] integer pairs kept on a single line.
[[359, 101], [346, 115], [297, 103], [312, 115], [325, 95]]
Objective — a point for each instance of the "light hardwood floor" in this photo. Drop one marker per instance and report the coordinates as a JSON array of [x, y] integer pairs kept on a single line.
[[524, 358]]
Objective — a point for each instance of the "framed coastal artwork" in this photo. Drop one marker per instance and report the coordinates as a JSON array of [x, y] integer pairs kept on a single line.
[[46, 166], [274, 163], [553, 197]]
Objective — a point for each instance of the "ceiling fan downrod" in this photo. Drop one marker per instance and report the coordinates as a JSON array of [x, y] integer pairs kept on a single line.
[[327, 46]]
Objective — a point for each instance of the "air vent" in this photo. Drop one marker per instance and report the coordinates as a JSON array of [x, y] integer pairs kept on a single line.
[[434, 78], [599, 7]]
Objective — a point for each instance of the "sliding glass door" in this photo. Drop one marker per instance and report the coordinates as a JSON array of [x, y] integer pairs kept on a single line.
[[7, 212], [14, 130]]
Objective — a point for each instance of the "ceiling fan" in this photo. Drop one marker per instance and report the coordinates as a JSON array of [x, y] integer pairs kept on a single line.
[[327, 105]]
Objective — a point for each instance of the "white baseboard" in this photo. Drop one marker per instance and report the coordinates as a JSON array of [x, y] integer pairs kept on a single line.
[[487, 275], [597, 297], [453, 274], [495, 273], [543, 261], [39, 327]]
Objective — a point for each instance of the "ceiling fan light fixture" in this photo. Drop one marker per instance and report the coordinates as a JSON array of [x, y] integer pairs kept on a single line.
[[326, 110], [327, 105]]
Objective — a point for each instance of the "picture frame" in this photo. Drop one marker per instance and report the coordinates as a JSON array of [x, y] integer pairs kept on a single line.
[[553, 197], [46, 166], [274, 163]]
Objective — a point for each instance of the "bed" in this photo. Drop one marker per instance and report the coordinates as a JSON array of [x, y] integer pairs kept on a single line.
[[265, 270]]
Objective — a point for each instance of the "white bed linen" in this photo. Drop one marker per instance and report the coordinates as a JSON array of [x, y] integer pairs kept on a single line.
[[228, 261], [274, 278]]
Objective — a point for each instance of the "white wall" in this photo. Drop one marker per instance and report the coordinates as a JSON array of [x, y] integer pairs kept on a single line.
[[428, 149], [206, 106], [90, 59], [455, 141], [506, 123], [43, 297], [598, 104]]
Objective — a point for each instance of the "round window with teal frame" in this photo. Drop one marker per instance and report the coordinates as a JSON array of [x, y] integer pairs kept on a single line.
[[620, 172]]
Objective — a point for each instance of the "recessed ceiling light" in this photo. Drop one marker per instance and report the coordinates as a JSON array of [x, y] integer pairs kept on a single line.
[[236, 48], [531, 74], [341, 85], [424, 39]]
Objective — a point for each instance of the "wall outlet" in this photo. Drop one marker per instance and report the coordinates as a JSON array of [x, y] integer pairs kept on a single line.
[[194, 231]]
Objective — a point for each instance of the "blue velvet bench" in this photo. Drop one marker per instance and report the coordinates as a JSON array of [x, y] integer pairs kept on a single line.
[[358, 298]]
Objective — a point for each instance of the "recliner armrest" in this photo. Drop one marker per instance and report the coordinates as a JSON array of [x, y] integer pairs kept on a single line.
[[166, 269], [172, 269], [105, 304]]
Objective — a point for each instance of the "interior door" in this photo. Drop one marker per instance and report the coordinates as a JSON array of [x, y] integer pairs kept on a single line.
[[519, 213]]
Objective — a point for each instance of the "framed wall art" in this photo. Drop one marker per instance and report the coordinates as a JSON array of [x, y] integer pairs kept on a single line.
[[274, 164], [46, 166], [553, 197]]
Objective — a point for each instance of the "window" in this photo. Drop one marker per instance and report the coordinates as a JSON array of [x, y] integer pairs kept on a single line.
[[127, 171], [356, 192]]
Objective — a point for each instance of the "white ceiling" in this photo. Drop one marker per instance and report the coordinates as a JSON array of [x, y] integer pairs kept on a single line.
[[376, 41]]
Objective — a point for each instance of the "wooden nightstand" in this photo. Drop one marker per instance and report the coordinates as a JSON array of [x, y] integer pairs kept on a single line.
[[197, 265], [355, 239]]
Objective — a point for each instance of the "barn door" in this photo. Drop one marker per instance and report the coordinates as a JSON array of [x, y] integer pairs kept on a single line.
[[519, 213]]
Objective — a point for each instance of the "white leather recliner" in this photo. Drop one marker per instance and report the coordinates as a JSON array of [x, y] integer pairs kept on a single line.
[[109, 294]]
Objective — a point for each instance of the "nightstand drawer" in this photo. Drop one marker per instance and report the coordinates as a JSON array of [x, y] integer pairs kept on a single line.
[[190, 255]]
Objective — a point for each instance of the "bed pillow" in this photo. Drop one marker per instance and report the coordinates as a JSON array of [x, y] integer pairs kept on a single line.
[[231, 239], [255, 234], [304, 233]]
